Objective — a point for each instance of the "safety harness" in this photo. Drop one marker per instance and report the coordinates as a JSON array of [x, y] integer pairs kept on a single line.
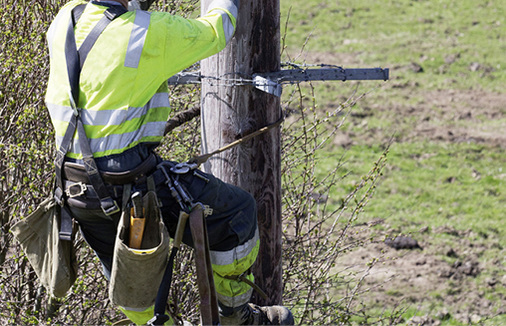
[[75, 60]]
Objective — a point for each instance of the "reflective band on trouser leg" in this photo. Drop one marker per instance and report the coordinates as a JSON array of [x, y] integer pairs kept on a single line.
[[234, 293], [142, 317]]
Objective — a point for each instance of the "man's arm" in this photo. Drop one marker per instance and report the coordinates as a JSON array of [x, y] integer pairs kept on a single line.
[[182, 42], [228, 10]]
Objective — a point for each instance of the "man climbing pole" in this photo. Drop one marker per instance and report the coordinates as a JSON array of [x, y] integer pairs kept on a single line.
[[109, 103]]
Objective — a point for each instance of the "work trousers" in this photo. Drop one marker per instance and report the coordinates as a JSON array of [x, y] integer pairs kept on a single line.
[[232, 228]]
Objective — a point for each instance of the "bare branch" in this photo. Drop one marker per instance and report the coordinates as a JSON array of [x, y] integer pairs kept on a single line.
[[181, 118]]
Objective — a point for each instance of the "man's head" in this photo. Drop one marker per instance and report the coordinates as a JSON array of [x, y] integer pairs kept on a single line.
[[142, 4], [124, 3], [134, 4]]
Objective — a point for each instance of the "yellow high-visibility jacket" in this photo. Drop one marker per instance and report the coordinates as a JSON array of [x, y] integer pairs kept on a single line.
[[123, 91]]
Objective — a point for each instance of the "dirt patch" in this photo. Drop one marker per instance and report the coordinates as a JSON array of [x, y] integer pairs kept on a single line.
[[448, 115], [445, 115], [458, 116], [441, 281]]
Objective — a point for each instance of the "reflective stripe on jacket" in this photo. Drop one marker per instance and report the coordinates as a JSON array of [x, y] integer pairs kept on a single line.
[[123, 90]]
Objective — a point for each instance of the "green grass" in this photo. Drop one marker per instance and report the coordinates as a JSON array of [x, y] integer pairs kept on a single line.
[[427, 184], [441, 184], [396, 33]]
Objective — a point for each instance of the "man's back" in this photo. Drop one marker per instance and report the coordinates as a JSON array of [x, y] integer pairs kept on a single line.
[[123, 91]]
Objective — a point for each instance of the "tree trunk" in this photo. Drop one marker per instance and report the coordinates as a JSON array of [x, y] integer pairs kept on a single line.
[[228, 113]]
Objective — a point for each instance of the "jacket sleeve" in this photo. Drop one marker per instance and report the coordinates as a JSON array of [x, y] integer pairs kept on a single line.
[[175, 43], [228, 10]]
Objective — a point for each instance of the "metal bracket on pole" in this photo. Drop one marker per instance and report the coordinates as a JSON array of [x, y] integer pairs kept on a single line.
[[270, 82], [267, 85], [300, 75]]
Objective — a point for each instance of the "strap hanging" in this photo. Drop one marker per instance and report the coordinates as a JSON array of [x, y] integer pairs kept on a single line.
[[209, 312], [160, 316], [75, 61], [73, 73]]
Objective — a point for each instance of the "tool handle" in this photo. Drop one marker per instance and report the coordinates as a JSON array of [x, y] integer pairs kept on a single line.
[[137, 205], [136, 232], [137, 221], [178, 238]]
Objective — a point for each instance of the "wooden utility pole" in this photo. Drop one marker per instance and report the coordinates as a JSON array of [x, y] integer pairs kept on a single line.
[[229, 112]]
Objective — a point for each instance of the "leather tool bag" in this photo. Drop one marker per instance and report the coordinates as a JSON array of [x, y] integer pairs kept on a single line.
[[53, 260], [137, 273]]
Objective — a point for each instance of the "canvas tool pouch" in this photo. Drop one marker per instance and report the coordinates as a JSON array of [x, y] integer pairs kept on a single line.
[[137, 273], [53, 260]]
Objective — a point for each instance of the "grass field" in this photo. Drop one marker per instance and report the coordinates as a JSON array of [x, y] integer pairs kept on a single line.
[[444, 107], [442, 117]]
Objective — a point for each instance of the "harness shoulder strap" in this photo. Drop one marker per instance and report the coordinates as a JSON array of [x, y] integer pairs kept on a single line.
[[77, 12], [75, 60], [109, 15]]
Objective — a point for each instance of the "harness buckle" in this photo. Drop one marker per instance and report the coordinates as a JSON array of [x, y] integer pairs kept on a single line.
[[75, 190], [73, 104], [109, 206]]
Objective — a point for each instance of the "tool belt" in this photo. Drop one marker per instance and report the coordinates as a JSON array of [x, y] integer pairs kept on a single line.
[[81, 193], [77, 173]]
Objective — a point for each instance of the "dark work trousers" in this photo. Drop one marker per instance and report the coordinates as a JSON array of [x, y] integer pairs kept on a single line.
[[233, 220]]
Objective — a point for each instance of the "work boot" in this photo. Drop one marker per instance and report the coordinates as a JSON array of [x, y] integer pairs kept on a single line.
[[251, 314]]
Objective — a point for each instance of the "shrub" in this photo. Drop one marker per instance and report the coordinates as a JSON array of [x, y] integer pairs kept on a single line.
[[315, 233]]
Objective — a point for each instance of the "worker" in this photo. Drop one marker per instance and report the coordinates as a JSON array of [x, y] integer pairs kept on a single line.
[[124, 104]]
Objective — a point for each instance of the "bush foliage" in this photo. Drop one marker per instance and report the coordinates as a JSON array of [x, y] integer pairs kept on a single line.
[[314, 234]]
